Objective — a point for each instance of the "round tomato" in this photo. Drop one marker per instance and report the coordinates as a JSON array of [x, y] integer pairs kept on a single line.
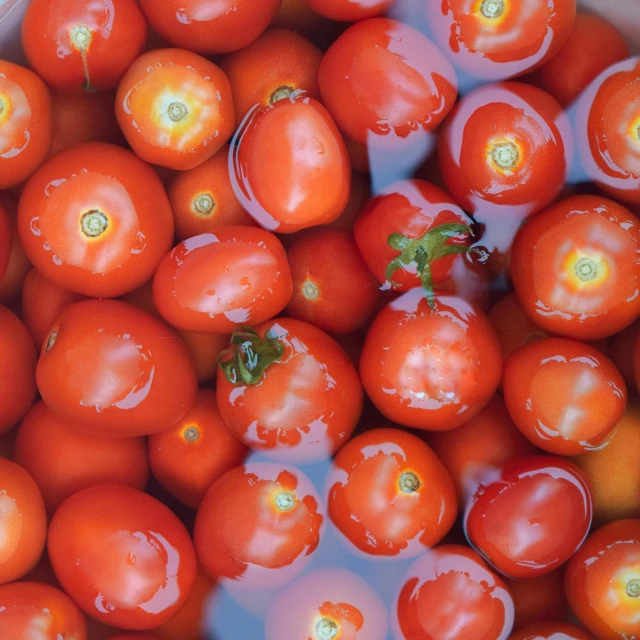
[[113, 370], [288, 390], [621, 351], [552, 631], [123, 557], [350, 10]]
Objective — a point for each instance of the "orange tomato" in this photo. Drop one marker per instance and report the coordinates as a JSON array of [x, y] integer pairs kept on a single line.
[[18, 265], [350, 10]]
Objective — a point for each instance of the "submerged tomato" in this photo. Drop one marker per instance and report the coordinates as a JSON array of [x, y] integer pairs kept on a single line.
[[552, 631]]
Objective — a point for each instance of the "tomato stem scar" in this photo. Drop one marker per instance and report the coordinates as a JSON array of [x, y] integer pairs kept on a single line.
[[633, 588], [281, 93], [409, 482], [492, 8], [285, 501], [505, 155], [94, 223], [81, 37], [310, 290], [176, 111], [326, 629], [203, 204], [586, 269], [1, 106], [51, 340], [192, 434]]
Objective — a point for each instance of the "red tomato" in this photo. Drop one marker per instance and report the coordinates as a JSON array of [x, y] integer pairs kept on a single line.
[[64, 461], [196, 289], [204, 349], [602, 581], [389, 494], [288, 390], [5, 241], [621, 348], [430, 606], [383, 78], [274, 503], [430, 368], [532, 517], [575, 268], [25, 117], [113, 370], [350, 10], [39, 611], [290, 168], [328, 603], [18, 265], [552, 631], [122, 556]]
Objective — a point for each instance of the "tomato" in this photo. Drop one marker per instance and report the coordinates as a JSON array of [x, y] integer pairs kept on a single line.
[[5, 241], [430, 368], [18, 265], [505, 147], [196, 289], [328, 603], [94, 219], [275, 503], [290, 168], [532, 517], [113, 370], [621, 347], [552, 631], [575, 268], [389, 494], [500, 39], [350, 10], [39, 611], [430, 607], [382, 78], [25, 117], [204, 349], [288, 390], [63, 460]]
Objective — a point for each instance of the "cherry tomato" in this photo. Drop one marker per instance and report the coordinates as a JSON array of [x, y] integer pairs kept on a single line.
[[94, 219], [575, 268], [63, 460], [5, 241], [430, 606], [350, 10], [25, 117], [382, 78], [18, 266], [290, 169], [196, 289], [427, 367], [327, 603], [288, 390], [261, 500], [532, 517], [113, 370], [552, 631], [39, 612], [204, 349]]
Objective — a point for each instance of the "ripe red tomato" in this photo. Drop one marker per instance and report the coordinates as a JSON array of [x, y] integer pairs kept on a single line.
[[430, 368], [575, 268], [552, 631], [18, 265], [204, 349], [350, 10], [328, 603], [389, 494], [382, 78], [274, 503], [123, 557], [5, 241], [113, 370], [531, 518], [620, 350], [290, 168], [195, 288], [430, 605]]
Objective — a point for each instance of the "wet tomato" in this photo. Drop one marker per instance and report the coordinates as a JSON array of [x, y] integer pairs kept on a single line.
[[288, 390], [552, 631], [532, 517], [350, 10], [113, 370]]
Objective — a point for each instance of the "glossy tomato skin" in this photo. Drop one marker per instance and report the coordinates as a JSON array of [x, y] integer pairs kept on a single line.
[[196, 289], [532, 518], [575, 268], [350, 10], [290, 169], [427, 368], [552, 631], [423, 608], [113, 370], [382, 79]]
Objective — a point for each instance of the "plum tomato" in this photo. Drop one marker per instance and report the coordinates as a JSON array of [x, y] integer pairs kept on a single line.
[[113, 370], [333, 288], [532, 517], [288, 390], [565, 396], [350, 10], [430, 367], [382, 78], [430, 607], [505, 147], [63, 460], [602, 581], [25, 117], [389, 495], [500, 39], [23, 523], [575, 268], [94, 219], [275, 503], [123, 557], [289, 165], [39, 611], [5, 241], [552, 631], [175, 108], [214, 282], [326, 604]]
